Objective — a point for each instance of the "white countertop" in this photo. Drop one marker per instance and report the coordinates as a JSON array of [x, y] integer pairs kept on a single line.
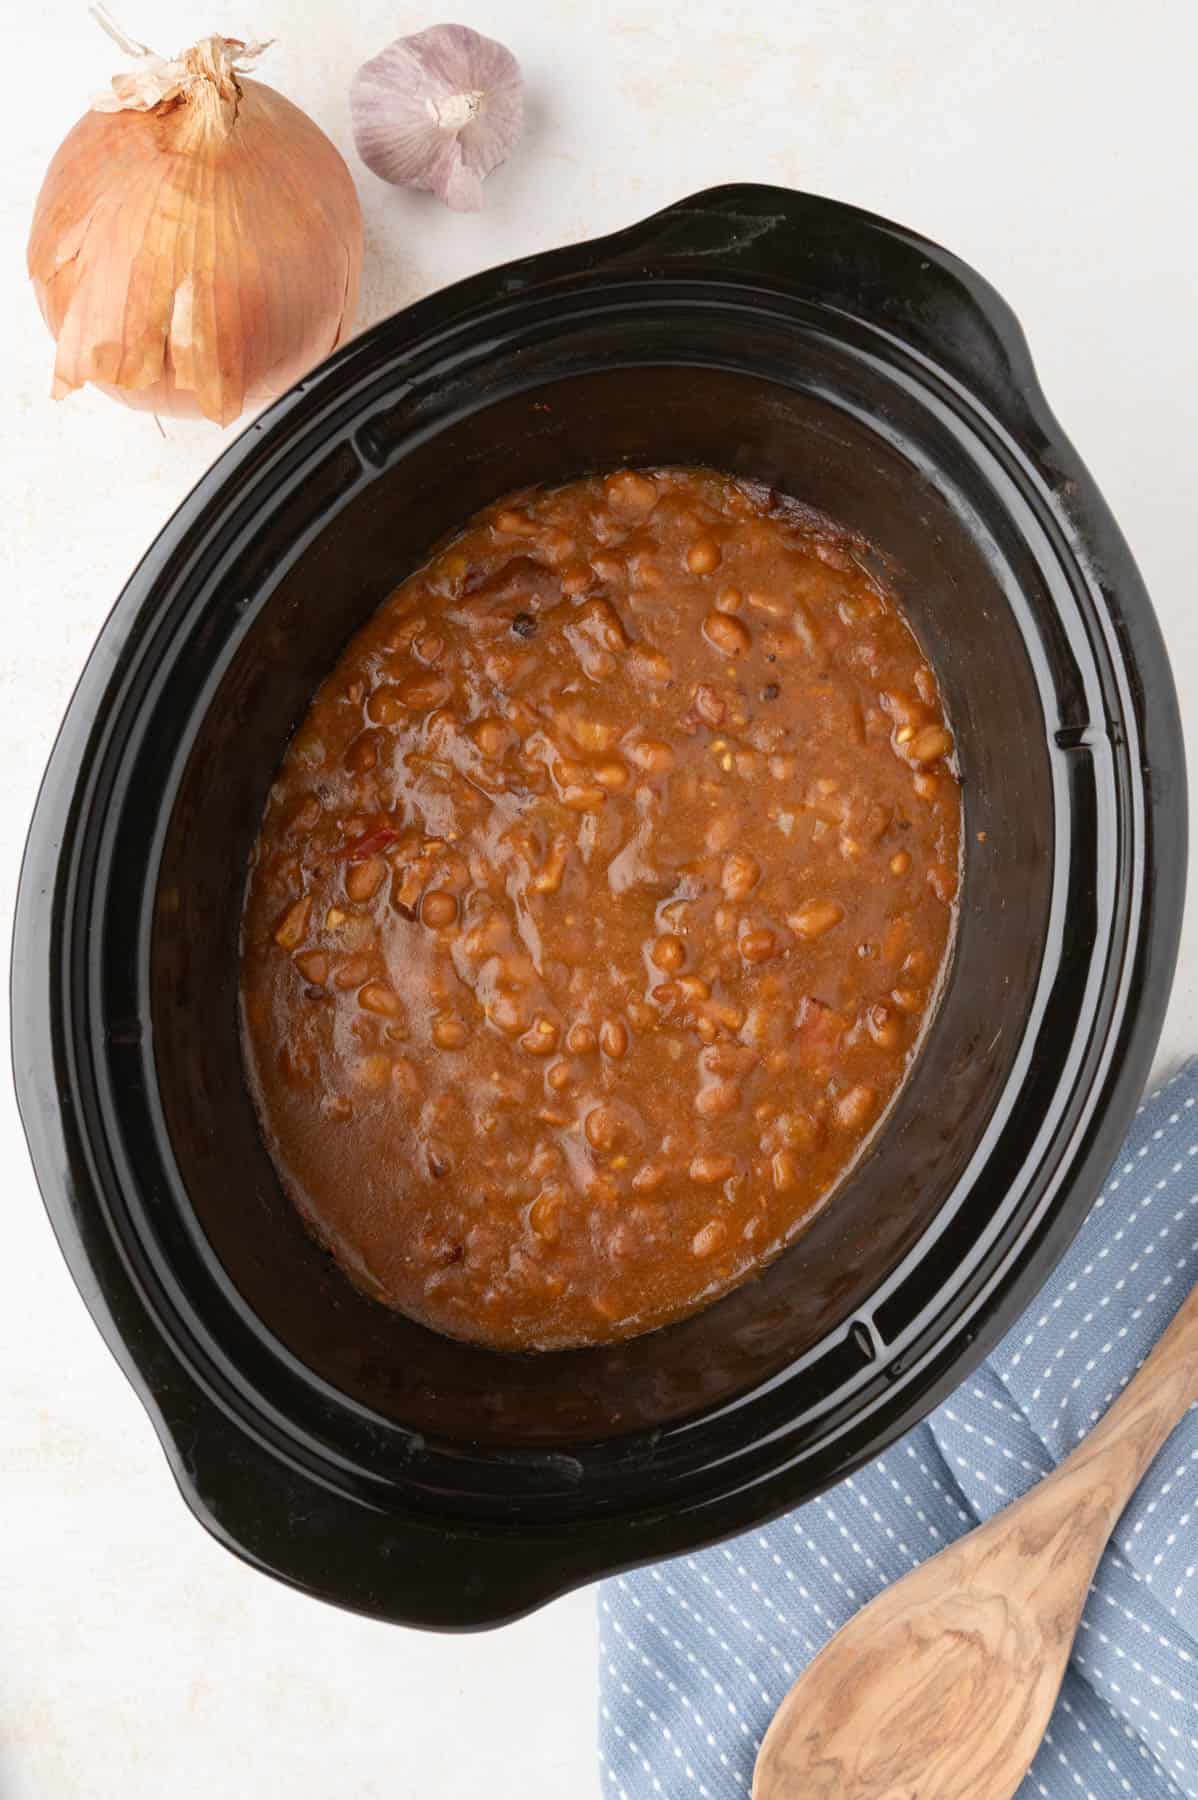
[[1056, 148]]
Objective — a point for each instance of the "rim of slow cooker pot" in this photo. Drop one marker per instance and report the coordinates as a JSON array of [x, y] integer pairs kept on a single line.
[[1148, 748]]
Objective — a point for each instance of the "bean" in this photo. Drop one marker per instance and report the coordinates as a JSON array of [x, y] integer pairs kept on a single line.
[[364, 879], [648, 1178], [783, 767], [292, 928], [385, 707], [815, 919], [602, 622], [438, 909], [313, 965], [710, 1169], [589, 733], [729, 600], [511, 523], [654, 757], [649, 665], [541, 1038], [720, 1097], [587, 799], [377, 997], [422, 691], [694, 987], [449, 1033], [352, 972], [669, 953], [548, 878], [581, 1039], [759, 945], [631, 491], [492, 737], [543, 1218], [703, 556], [430, 649], [363, 753], [641, 1016], [740, 875], [885, 1030], [900, 862], [402, 634], [559, 1076], [930, 744], [709, 1238], [926, 786], [613, 1038], [917, 966], [770, 604], [856, 1108], [612, 775], [603, 1128], [729, 635], [508, 1013], [908, 1000]]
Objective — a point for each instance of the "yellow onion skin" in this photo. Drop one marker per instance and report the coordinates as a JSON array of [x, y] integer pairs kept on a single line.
[[196, 259]]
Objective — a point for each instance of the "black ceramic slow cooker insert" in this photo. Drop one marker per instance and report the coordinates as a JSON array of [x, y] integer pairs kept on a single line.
[[342, 1447]]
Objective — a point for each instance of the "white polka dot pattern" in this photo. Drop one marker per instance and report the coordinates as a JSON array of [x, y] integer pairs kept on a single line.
[[696, 1654]]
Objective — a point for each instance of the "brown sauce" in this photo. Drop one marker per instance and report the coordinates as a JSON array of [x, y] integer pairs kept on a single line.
[[598, 907]]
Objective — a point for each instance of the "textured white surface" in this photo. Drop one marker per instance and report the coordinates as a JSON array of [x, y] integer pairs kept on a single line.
[[1056, 147]]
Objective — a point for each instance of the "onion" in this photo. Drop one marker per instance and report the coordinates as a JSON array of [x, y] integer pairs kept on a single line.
[[197, 242]]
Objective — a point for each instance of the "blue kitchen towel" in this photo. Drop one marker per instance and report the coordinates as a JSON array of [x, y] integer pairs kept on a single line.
[[696, 1654]]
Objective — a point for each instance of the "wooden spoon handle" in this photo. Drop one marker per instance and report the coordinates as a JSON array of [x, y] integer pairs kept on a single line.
[[1113, 1458]]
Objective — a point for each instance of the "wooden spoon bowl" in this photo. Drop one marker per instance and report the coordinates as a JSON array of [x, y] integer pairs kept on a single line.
[[944, 1685]]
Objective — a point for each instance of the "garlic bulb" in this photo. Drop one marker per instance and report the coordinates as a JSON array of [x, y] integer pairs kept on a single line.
[[197, 242], [439, 111]]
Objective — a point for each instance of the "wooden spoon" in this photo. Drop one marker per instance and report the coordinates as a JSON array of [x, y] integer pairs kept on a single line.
[[943, 1686]]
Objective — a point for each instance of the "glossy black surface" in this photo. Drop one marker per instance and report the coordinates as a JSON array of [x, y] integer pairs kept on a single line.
[[346, 1449]]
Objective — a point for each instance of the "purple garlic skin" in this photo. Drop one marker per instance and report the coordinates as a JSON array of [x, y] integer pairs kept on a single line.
[[439, 110]]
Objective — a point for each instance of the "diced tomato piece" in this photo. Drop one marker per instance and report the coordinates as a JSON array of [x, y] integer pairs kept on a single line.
[[370, 843]]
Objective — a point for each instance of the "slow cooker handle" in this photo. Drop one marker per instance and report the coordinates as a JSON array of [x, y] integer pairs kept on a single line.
[[841, 257]]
